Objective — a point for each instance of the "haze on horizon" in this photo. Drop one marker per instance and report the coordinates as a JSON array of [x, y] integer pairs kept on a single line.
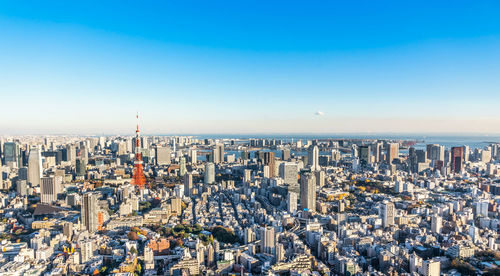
[[249, 67]]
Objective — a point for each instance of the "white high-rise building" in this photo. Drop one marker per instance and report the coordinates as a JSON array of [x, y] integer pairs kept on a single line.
[[436, 224], [89, 212], [313, 158], [49, 189], [209, 173], [267, 240], [34, 167], [308, 192], [387, 213], [292, 202]]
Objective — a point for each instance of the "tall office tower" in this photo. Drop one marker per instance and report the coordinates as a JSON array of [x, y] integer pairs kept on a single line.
[[320, 178], [421, 156], [89, 212], [435, 152], [285, 154], [267, 240], [457, 157], [21, 187], [188, 185], [84, 153], [193, 156], [392, 152], [81, 167], [313, 158], [182, 166], [34, 167], [162, 156], [436, 224], [11, 155], [365, 154], [71, 154], [175, 204], [138, 178], [466, 150], [209, 173], [22, 173], [270, 161], [308, 192], [248, 235], [218, 153], [291, 202], [288, 171], [49, 189], [377, 151], [431, 268], [387, 213]]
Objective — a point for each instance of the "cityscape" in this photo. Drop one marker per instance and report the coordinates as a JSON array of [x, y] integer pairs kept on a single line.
[[183, 205], [241, 138]]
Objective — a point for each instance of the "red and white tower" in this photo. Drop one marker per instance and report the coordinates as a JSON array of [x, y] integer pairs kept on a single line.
[[138, 178]]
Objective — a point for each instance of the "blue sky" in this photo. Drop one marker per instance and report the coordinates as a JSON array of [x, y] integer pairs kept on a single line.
[[250, 66]]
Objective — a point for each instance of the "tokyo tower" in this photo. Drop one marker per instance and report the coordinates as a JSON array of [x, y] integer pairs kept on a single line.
[[138, 178]]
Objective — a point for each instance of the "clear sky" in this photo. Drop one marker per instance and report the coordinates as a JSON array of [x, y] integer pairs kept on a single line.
[[250, 66]]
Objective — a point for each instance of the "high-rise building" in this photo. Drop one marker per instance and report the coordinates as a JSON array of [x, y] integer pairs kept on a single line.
[[431, 268], [267, 240], [175, 203], [89, 212], [162, 156], [320, 178], [49, 189], [387, 213], [308, 192], [193, 156], [313, 158], [291, 202], [436, 224], [34, 167], [71, 154], [285, 154], [365, 154], [11, 154], [270, 161], [392, 152], [218, 153], [209, 173], [182, 166], [188, 185], [457, 157]]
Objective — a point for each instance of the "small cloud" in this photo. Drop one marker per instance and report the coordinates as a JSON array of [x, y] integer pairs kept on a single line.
[[319, 113]]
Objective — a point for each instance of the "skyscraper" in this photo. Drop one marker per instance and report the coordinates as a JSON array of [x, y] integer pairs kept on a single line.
[[308, 192], [188, 184], [11, 154], [387, 213], [288, 171], [313, 158], [49, 189], [162, 156], [457, 157], [71, 154], [34, 167], [89, 212], [209, 173], [218, 153], [285, 154], [436, 224], [365, 154], [270, 161], [392, 152], [291, 202], [267, 240]]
